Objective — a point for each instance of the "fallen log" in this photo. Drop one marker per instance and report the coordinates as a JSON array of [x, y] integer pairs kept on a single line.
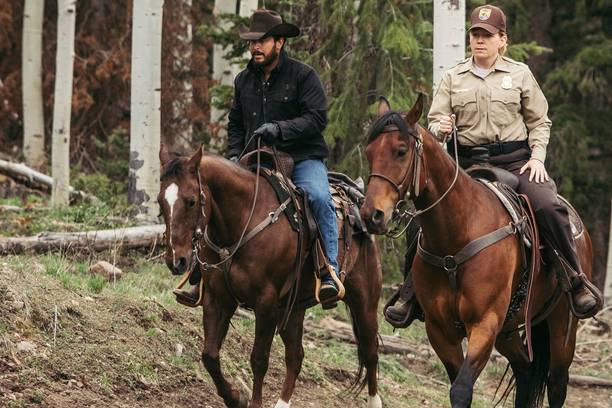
[[39, 181], [124, 238], [587, 381]]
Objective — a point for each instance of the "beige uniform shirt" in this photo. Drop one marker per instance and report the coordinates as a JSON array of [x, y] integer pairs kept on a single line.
[[507, 105]]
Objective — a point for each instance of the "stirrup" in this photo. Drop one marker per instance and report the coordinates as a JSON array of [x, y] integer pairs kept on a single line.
[[413, 311], [331, 302], [186, 300], [589, 286]]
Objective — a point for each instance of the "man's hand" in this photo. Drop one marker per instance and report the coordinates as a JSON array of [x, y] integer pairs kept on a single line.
[[269, 133], [537, 171]]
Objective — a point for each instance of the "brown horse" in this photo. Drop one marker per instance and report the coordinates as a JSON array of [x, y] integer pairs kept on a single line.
[[207, 192], [454, 213]]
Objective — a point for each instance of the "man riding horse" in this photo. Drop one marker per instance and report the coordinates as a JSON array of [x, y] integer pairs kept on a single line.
[[281, 100], [498, 105]]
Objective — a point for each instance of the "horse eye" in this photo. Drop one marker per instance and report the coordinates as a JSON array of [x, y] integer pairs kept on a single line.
[[402, 152], [191, 203]]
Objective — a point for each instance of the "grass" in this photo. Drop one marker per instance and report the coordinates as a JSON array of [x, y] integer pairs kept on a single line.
[[135, 340]]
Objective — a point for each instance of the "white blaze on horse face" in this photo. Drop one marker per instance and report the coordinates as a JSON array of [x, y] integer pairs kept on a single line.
[[171, 195], [282, 404], [374, 401]]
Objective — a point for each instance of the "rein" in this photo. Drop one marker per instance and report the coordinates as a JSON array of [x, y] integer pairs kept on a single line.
[[226, 255]]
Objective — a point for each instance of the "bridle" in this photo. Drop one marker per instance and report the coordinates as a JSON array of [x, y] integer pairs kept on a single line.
[[400, 213]]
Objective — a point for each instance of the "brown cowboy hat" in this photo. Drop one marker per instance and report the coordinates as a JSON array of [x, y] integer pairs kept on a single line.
[[266, 23]]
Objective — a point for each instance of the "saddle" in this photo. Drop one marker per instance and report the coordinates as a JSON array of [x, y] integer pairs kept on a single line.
[[503, 184], [347, 196]]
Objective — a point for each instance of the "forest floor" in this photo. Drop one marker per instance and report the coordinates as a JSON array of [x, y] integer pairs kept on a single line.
[[67, 340], [70, 339]]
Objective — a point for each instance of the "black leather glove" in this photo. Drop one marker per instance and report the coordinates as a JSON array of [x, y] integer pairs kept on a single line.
[[268, 132]]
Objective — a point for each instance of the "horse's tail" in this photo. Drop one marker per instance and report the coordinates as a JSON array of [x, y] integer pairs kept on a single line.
[[539, 367], [361, 379]]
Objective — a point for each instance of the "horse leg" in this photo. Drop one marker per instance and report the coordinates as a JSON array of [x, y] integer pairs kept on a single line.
[[513, 349], [265, 326], [364, 315], [216, 322], [481, 338], [446, 345], [561, 354], [294, 354]]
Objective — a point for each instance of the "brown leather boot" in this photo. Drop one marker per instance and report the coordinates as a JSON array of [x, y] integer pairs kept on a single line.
[[584, 300], [188, 297]]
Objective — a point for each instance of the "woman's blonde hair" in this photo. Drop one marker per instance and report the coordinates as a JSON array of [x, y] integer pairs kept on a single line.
[[504, 48]]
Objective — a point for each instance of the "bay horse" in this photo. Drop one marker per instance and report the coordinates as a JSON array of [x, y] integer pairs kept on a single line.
[[455, 210], [206, 192]]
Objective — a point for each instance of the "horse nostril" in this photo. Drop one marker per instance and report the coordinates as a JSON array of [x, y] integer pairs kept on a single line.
[[378, 216], [182, 264]]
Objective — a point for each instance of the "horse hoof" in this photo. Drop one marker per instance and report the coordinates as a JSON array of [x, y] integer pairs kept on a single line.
[[374, 401], [241, 401]]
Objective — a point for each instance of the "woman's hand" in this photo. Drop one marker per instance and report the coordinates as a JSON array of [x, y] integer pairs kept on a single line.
[[537, 171], [446, 125]]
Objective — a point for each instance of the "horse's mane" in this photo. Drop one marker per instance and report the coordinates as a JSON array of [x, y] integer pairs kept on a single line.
[[390, 118], [177, 165]]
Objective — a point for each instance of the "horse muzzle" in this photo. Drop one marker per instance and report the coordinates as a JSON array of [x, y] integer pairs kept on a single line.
[[177, 265], [375, 221]]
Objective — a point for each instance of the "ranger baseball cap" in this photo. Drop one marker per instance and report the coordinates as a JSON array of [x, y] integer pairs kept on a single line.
[[490, 18]]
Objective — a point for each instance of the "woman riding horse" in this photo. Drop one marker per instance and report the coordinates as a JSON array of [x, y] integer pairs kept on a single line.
[[497, 104], [469, 273]]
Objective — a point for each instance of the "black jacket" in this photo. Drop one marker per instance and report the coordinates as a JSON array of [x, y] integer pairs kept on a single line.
[[292, 97]]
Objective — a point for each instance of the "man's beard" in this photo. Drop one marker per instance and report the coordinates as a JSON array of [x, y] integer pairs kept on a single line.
[[268, 59]]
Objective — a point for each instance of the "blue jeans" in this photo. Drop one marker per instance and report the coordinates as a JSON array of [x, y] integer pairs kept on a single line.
[[311, 175]]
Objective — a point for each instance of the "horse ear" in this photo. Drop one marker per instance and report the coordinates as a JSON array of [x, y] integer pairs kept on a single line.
[[164, 155], [417, 110], [195, 159], [383, 105]]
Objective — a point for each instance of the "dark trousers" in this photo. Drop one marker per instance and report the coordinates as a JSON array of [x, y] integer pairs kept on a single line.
[[552, 217]]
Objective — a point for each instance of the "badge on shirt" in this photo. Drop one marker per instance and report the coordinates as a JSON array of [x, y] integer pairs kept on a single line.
[[506, 82]]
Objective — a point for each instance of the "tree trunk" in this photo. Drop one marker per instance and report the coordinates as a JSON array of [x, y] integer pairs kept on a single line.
[[145, 107], [181, 133], [60, 153], [31, 59], [608, 279], [245, 9], [448, 37], [122, 238], [222, 75]]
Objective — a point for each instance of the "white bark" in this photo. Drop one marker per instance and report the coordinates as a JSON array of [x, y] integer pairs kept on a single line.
[[122, 238], [608, 280], [31, 60], [245, 9], [182, 53], [222, 75], [145, 126], [60, 152], [40, 181], [449, 37]]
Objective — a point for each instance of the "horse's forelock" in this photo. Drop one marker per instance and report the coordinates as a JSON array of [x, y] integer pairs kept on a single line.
[[174, 168], [390, 118]]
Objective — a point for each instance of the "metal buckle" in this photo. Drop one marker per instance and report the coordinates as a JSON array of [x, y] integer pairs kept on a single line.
[[449, 264]]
